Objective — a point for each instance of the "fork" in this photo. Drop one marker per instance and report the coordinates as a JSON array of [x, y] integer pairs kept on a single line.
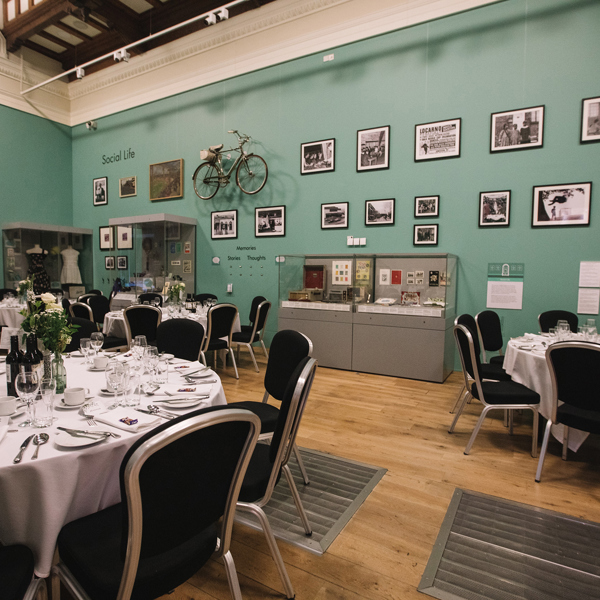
[[93, 423]]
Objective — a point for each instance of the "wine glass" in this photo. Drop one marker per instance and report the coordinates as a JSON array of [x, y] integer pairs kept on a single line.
[[96, 341], [115, 377], [27, 385], [85, 347], [151, 358]]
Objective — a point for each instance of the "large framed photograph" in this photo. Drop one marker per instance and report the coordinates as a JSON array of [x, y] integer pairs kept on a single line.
[[334, 216], [380, 212], [517, 129], [494, 209], [107, 241], [124, 237], [425, 235], [109, 263], [565, 204], [122, 263], [590, 120], [373, 149], [317, 157], [166, 180], [100, 187], [127, 187], [269, 221], [437, 140], [224, 224], [427, 206]]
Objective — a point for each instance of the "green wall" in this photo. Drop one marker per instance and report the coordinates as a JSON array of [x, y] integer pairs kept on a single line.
[[505, 56]]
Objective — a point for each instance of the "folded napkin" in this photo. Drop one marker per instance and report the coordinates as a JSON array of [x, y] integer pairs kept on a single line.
[[187, 367], [119, 418], [184, 389]]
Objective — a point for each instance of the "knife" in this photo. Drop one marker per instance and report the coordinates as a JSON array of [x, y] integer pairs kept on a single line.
[[84, 432], [183, 399], [24, 445]]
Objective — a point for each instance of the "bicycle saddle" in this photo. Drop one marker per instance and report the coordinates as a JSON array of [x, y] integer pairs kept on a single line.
[[216, 148]]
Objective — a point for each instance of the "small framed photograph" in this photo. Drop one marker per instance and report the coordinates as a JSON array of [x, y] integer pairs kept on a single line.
[[427, 206], [317, 157], [172, 230], [187, 266], [517, 129], [334, 216], [77, 241], [380, 212], [373, 149], [590, 120], [127, 187], [425, 235], [494, 209], [224, 224], [109, 263], [434, 278], [562, 205], [437, 140], [100, 191], [107, 241], [269, 221], [121, 263], [166, 180], [124, 237]]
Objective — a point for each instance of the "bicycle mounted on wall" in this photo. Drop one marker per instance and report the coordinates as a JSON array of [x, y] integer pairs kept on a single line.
[[251, 170]]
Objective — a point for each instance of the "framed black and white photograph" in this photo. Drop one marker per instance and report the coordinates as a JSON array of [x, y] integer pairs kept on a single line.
[[427, 206], [380, 212], [107, 241], [121, 263], [127, 187], [437, 140], [269, 221], [334, 215], [172, 231], [124, 237], [590, 120], [224, 224], [100, 191], [373, 149], [77, 241], [494, 209], [317, 157], [565, 204], [517, 129], [425, 235], [109, 263]]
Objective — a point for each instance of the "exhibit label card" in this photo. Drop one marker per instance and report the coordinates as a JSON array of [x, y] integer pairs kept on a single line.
[[505, 294], [589, 274], [588, 301]]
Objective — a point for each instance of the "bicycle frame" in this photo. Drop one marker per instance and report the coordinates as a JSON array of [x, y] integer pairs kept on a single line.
[[220, 153]]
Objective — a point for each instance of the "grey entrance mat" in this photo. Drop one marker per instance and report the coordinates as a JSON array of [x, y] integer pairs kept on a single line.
[[490, 548], [337, 489]]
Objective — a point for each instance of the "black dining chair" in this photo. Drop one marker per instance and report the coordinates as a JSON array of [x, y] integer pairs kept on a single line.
[[574, 368], [219, 331], [253, 334], [17, 581], [100, 305], [96, 292], [84, 297], [151, 298], [85, 328], [81, 310], [66, 305], [142, 320], [181, 337], [506, 395], [203, 297], [179, 487], [550, 318], [270, 461], [489, 329]]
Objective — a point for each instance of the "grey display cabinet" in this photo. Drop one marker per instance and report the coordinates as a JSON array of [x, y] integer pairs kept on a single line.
[[390, 314]]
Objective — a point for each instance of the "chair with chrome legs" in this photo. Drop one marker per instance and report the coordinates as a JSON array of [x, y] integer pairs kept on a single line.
[[181, 337], [253, 334], [270, 461], [550, 318], [219, 330], [489, 329], [142, 320], [17, 580], [81, 310]]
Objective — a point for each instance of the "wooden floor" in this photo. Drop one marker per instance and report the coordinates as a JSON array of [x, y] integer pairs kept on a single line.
[[401, 425]]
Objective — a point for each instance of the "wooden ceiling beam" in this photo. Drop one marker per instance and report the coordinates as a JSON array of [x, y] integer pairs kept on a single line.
[[42, 50], [126, 22], [55, 40], [71, 31]]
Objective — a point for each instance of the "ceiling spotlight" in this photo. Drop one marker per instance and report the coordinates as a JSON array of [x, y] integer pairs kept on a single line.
[[211, 19], [222, 14], [121, 55], [80, 73]]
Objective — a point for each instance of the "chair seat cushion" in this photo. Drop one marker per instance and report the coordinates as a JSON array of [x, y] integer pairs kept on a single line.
[[258, 474], [217, 344], [494, 372], [572, 416], [267, 414], [247, 328], [113, 342], [497, 360], [506, 392], [245, 337], [16, 571], [90, 547]]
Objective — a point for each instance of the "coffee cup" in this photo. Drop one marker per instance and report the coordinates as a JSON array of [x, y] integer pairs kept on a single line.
[[100, 362], [8, 405], [74, 396]]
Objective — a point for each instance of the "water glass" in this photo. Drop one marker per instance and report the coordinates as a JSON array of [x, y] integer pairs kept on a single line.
[[563, 330], [44, 407], [162, 370], [96, 341], [151, 358], [117, 374], [85, 345]]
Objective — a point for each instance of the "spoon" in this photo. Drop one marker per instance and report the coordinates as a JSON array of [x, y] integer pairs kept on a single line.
[[157, 410], [39, 440]]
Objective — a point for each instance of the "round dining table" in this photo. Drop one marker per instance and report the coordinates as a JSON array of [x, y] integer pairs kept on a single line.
[[38, 497]]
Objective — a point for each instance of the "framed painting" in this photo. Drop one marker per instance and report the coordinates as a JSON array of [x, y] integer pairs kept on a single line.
[[166, 180], [127, 187]]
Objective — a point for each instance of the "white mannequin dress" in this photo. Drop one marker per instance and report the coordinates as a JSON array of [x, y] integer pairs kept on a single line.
[[70, 271]]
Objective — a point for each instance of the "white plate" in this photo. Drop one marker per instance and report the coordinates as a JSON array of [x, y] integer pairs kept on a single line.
[[191, 402], [66, 440], [202, 375], [168, 356], [18, 412]]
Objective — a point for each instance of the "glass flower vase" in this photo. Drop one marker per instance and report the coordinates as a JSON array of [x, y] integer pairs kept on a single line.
[[59, 373]]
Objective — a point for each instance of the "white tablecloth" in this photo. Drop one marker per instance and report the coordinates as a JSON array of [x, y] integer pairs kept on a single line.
[[38, 497], [10, 317]]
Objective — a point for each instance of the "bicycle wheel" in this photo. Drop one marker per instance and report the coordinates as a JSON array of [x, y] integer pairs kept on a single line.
[[251, 174], [206, 181]]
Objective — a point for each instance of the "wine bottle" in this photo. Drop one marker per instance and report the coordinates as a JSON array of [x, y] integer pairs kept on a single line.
[[13, 364], [31, 360]]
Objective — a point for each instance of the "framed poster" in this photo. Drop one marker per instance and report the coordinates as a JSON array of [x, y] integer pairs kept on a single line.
[[562, 205], [517, 129], [317, 157], [334, 216], [425, 235], [373, 149], [341, 272], [427, 206], [109, 263], [127, 187], [100, 187], [590, 120], [106, 238], [269, 221], [121, 262], [494, 209], [223, 225], [124, 237], [166, 180], [380, 212], [437, 140]]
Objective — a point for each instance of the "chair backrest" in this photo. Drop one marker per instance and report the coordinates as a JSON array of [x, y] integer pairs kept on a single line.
[[490, 331], [86, 328], [181, 337], [469, 322], [66, 305], [550, 318], [469, 358], [220, 320], [574, 368], [288, 348], [260, 320], [84, 297], [151, 297], [254, 308], [181, 478], [141, 320], [100, 305], [96, 292], [203, 297], [82, 311]]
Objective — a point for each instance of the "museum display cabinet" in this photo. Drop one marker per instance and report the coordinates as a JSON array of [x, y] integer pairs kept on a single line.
[[390, 314]]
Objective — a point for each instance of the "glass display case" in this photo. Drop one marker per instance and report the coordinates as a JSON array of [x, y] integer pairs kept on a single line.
[[59, 257]]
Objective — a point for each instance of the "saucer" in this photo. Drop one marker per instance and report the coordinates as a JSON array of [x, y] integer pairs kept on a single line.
[[95, 370], [61, 404]]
